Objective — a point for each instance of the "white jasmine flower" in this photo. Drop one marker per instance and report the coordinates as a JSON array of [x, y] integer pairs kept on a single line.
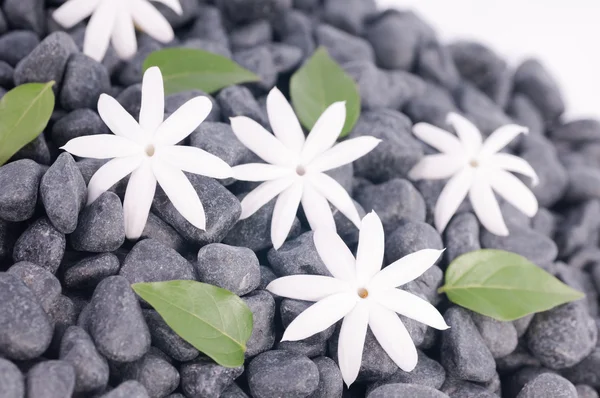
[[363, 294], [149, 152], [477, 169], [295, 172], [115, 20]]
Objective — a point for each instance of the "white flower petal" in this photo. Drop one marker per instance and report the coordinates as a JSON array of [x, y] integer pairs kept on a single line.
[[469, 135], [352, 341], [437, 138], [335, 254], [284, 213], [411, 306], [172, 4], [393, 337], [123, 36], [343, 153], [515, 164], [151, 21], [325, 132], [486, 207], [261, 142], [74, 11], [317, 210], [183, 121], [500, 138], [111, 173], [99, 30], [436, 167], [262, 195], [514, 191], [180, 192], [284, 123], [195, 160], [451, 197], [307, 287], [119, 121], [336, 195], [371, 247], [102, 146], [320, 316], [260, 172], [152, 111], [404, 270], [138, 199]]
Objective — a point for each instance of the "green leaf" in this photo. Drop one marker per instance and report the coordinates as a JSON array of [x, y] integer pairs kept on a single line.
[[214, 320], [24, 113], [504, 285], [319, 83], [186, 69]]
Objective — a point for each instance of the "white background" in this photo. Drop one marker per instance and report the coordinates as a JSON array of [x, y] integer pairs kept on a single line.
[[564, 34]]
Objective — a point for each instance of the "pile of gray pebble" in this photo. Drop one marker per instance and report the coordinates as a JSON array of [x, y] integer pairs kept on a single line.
[[70, 324]]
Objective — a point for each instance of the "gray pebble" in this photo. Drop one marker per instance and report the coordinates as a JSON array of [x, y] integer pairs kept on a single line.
[[431, 106], [128, 389], [78, 123], [548, 385], [101, 226], [27, 14], [395, 155], [456, 388], [500, 337], [479, 108], [84, 80], [162, 232], [116, 321], [204, 378], [461, 235], [51, 379], [252, 10], [221, 207], [156, 374], [579, 227], [297, 256], [585, 391], [251, 35], [233, 268], [131, 99], [562, 336], [131, 72], [525, 113], [286, 57], [239, 101], [312, 346], [47, 61], [211, 46], [209, 25], [434, 63], [63, 314], [20, 181], [88, 272], [343, 47], [587, 371], [37, 150], [166, 340], [150, 261], [296, 29], [530, 244], [464, 353], [41, 244], [266, 276], [233, 391], [262, 305], [533, 80], [63, 193], [331, 384], [427, 373], [581, 131], [545, 222], [40, 281], [11, 380], [349, 15], [260, 61], [410, 237], [400, 390], [16, 45], [282, 373], [175, 101], [91, 369], [392, 201]]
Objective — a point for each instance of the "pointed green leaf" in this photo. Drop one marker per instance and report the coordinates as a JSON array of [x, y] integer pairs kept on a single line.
[[504, 285], [24, 114], [186, 69], [319, 83], [214, 320]]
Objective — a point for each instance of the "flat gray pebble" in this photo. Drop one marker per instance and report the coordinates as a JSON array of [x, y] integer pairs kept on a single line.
[[204, 378], [11, 380], [154, 372], [40, 281], [128, 389], [91, 270], [101, 226], [400, 390], [262, 305], [51, 379], [20, 181], [165, 339], [548, 385]]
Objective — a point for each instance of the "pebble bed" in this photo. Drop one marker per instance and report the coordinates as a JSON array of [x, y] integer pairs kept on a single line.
[[70, 325]]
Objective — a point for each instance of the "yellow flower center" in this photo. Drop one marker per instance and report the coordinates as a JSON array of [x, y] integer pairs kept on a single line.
[[363, 293], [150, 150]]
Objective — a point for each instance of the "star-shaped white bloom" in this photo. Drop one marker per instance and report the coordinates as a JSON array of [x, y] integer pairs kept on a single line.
[[115, 20], [477, 169], [295, 172], [364, 295], [149, 151]]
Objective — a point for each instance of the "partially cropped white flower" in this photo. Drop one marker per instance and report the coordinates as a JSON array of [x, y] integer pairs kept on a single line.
[[477, 169], [115, 20], [149, 151], [364, 295], [297, 165]]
